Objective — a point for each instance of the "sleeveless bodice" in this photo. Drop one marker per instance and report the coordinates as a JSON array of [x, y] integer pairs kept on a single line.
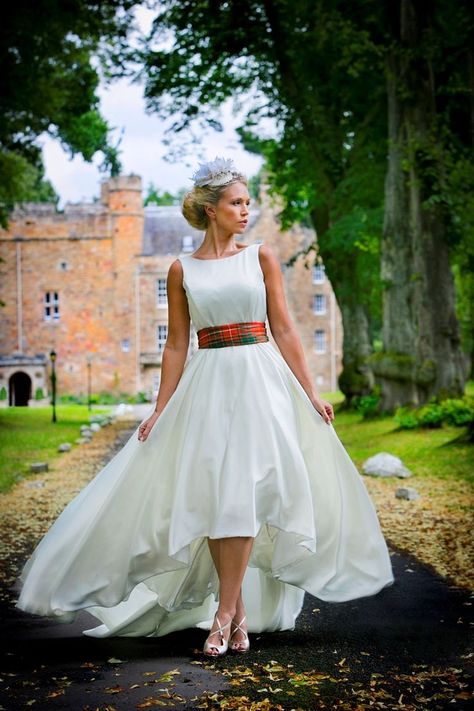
[[226, 290]]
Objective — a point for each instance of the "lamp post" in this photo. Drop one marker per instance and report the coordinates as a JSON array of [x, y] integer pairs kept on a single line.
[[52, 355], [89, 367]]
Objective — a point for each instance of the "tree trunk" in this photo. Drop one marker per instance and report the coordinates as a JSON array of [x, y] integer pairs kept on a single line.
[[356, 377], [421, 355]]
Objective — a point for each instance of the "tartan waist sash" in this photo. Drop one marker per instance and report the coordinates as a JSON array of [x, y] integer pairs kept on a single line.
[[232, 334]]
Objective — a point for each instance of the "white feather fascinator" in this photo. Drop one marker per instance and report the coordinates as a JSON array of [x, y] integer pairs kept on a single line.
[[216, 172]]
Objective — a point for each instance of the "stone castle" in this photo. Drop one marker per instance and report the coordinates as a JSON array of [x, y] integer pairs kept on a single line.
[[90, 284]]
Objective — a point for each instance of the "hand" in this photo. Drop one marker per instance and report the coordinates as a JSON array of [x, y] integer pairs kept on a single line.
[[324, 408], [146, 426]]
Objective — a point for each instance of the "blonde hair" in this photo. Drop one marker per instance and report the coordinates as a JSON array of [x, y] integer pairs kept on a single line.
[[195, 200]]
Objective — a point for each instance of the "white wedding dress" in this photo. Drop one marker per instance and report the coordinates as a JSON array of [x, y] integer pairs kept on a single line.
[[239, 450]]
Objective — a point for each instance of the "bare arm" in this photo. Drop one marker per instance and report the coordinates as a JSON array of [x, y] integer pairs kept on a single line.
[[284, 332], [176, 347]]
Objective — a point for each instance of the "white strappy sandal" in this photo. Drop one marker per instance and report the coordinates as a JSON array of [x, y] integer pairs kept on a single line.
[[221, 648], [242, 645]]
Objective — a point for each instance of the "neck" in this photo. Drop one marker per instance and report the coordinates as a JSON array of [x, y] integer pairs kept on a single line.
[[217, 243]]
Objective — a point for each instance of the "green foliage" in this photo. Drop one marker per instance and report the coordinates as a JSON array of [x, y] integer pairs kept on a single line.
[[50, 54], [3, 393], [39, 394], [102, 398], [367, 405], [22, 181], [457, 412], [154, 196]]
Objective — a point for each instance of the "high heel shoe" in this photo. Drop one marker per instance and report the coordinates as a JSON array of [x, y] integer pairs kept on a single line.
[[221, 648], [242, 645]]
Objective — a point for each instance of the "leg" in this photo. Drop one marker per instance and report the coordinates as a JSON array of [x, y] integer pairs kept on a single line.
[[230, 556]]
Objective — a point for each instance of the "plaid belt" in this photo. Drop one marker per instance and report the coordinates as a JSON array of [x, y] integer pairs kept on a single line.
[[232, 334]]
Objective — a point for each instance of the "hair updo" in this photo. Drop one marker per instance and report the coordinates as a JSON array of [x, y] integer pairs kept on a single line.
[[194, 201]]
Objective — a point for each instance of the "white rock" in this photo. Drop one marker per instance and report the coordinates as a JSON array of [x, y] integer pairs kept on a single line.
[[406, 492], [65, 447], [385, 464], [95, 427]]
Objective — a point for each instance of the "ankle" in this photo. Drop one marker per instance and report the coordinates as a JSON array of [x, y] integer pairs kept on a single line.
[[225, 614]]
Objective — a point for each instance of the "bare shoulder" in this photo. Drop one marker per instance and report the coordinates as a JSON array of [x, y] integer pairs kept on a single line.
[[268, 260], [175, 271]]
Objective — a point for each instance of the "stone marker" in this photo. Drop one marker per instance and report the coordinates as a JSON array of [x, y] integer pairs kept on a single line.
[[385, 464], [406, 492], [39, 467], [65, 447]]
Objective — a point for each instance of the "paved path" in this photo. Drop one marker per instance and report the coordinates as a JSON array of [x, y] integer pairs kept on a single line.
[[418, 626]]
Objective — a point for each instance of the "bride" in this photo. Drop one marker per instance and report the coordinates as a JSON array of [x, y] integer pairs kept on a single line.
[[236, 486]]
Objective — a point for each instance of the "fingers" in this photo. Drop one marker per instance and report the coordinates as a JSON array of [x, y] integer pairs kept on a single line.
[[143, 432]]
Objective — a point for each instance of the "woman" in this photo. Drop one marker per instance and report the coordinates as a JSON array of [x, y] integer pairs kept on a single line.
[[236, 489]]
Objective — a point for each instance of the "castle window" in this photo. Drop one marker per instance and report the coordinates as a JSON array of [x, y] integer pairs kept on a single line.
[[161, 336], [319, 304], [125, 345], [319, 274], [156, 383], [63, 266], [320, 341], [161, 295], [187, 244], [51, 306]]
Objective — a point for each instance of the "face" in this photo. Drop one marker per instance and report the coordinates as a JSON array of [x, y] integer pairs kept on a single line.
[[232, 211]]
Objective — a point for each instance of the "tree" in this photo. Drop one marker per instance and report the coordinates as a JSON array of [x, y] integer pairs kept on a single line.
[[49, 53], [427, 80], [155, 196], [289, 56], [323, 71]]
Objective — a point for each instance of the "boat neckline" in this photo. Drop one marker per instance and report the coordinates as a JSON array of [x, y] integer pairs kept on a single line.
[[220, 259]]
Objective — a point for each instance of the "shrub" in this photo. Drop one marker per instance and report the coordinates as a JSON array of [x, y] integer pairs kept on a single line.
[[406, 418], [430, 415], [39, 395], [368, 405], [3, 393], [458, 412]]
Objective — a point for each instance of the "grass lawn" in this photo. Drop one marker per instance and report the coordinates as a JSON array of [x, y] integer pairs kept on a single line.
[[27, 435], [439, 453]]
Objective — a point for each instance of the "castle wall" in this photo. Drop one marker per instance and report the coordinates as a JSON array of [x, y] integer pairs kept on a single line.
[[85, 256]]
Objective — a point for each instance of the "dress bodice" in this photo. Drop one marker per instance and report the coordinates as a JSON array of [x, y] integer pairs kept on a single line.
[[226, 290]]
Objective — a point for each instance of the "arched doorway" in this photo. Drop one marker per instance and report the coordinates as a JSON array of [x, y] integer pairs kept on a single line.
[[20, 389]]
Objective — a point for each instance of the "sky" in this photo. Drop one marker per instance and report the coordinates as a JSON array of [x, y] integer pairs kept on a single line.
[[142, 149]]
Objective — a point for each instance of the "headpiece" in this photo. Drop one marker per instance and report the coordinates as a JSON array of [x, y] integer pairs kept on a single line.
[[215, 172]]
